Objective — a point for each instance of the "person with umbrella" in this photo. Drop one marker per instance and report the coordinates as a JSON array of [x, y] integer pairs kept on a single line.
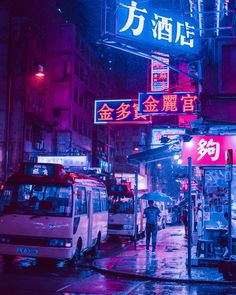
[[152, 213]]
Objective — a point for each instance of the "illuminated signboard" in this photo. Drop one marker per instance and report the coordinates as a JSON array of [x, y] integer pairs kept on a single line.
[[118, 111], [118, 188], [171, 133], [184, 121], [66, 161], [160, 73], [40, 170], [208, 150], [139, 22], [167, 103]]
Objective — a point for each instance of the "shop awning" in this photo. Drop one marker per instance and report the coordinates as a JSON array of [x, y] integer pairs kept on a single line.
[[151, 155]]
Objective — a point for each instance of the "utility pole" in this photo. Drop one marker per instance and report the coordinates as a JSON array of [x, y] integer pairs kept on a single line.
[[189, 214], [135, 207], [229, 178]]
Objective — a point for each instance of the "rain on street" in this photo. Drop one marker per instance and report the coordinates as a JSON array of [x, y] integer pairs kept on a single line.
[[27, 276]]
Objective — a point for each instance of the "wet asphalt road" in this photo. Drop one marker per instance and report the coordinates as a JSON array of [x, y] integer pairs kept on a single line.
[[29, 278]]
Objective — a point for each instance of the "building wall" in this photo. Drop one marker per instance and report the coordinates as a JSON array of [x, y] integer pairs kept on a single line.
[[218, 66], [4, 21], [21, 94], [52, 114], [77, 80], [227, 66], [218, 84]]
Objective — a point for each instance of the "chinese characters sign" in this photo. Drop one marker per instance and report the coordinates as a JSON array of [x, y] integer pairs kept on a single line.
[[171, 133], [145, 24], [167, 103], [66, 161], [160, 74], [118, 111], [39, 170], [207, 150]]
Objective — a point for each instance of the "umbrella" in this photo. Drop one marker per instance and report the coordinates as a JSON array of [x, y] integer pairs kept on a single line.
[[156, 196]]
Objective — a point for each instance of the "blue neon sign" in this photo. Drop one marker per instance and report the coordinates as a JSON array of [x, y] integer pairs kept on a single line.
[[118, 111], [139, 22]]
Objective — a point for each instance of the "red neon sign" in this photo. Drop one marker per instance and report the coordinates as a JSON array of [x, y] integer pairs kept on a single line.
[[167, 103]]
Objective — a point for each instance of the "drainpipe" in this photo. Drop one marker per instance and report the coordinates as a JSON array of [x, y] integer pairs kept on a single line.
[[135, 207], [8, 98]]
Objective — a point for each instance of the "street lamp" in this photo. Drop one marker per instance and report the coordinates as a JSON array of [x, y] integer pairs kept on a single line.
[[40, 72]]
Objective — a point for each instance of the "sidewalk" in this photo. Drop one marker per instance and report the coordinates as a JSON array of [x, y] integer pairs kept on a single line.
[[167, 264]]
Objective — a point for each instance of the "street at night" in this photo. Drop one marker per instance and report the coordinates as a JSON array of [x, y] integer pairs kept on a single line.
[[117, 147], [28, 277]]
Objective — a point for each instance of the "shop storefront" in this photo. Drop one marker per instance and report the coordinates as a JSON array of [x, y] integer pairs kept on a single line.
[[208, 153], [215, 207]]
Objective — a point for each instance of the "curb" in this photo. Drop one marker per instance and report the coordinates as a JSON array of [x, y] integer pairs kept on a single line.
[[160, 279]]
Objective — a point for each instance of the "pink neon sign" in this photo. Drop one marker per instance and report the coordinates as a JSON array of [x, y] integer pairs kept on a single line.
[[208, 150]]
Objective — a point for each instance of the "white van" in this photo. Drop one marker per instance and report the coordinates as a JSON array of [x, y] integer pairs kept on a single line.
[[163, 215]]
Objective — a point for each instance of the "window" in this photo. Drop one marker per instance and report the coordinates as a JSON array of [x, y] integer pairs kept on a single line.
[[103, 198], [77, 44], [80, 126], [40, 199], [76, 94], [74, 122], [81, 100], [60, 198], [28, 133], [121, 204], [82, 75], [76, 69], [96, 201], [80, 201], [6, 197]]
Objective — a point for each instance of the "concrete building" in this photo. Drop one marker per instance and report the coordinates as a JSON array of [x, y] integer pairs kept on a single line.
[[23, 51], [50, 78]]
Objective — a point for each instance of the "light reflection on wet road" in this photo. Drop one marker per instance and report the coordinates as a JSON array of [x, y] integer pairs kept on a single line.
[[28, 277], [153, 288]]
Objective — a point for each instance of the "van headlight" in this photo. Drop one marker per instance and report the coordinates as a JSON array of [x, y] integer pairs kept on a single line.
[[5, 240], [127, 226], [67, 243]]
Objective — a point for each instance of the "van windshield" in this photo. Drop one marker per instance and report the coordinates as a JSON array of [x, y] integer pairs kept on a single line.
[[120, 204], [28, 198]]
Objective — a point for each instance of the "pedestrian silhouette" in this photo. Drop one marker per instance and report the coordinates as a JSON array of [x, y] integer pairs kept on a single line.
[[152, 214]]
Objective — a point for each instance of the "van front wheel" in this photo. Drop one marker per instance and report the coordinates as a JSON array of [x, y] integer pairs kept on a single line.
[[75, 259], [96, 247]]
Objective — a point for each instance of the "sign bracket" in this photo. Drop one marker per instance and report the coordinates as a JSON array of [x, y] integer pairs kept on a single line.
[[140, 52]]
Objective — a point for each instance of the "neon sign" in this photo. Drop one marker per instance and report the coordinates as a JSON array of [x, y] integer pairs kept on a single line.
[[160, 73], [43, 170], [118, 111], [145, 24], [207, 150], [171, 133], [66, 161], [167, 103]]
